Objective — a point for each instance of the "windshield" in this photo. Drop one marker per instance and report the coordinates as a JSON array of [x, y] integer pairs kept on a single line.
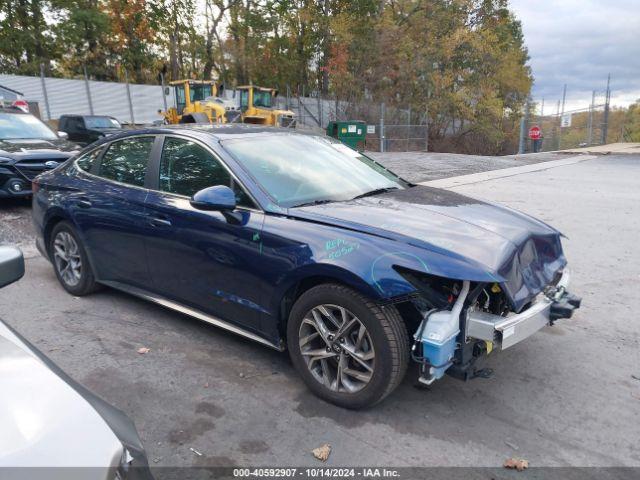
[[301, 169], [17, 125], [199, 92], [101, 122], [261, 98]]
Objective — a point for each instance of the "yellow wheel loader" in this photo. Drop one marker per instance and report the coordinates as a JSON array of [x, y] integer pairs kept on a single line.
[[256, 106], [195, 103]]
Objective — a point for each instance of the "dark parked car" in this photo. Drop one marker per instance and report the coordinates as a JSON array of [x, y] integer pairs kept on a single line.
[[27, 147], [51, 425], [86, 129], [298, 241]]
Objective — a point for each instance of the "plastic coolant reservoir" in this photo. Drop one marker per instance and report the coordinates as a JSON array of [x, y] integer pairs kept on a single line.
[[439, 336]]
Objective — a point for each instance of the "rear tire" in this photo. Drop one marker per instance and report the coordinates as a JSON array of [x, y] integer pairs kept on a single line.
[[349, 350], [70, 261]]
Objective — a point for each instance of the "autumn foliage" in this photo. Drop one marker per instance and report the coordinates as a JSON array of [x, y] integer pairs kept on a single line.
[[463, 61]]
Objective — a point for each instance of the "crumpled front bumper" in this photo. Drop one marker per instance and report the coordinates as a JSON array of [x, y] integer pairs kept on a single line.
[[505, 332]]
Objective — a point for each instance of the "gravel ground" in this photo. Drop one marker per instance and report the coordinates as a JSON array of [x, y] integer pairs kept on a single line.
[[421, 167], [15, 224]]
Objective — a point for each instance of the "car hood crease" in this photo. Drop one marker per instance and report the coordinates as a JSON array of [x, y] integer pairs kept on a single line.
[[508, 244]]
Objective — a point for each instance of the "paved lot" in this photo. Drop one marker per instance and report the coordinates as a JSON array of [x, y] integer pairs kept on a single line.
[[569, 396]]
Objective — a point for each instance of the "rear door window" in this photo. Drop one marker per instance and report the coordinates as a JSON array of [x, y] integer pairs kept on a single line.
[[125, 161]]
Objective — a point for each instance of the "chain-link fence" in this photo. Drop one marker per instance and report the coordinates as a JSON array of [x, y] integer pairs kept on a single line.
[[389, 129], [566, 129]]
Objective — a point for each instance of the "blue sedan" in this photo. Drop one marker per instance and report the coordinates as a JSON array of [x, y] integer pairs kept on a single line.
[[298, 242]]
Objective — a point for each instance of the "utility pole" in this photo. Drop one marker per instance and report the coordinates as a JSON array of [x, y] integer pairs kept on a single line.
[[126, 79], [408, 126], [564, 97], [605, 125], [164, 97], [523, 126], [86, 86], [44, 92], [426, 124], [382, 127], [591, 108]]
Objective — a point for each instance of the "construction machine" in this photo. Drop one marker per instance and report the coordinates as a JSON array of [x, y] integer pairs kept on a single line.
[[196, 102], [256, 106]]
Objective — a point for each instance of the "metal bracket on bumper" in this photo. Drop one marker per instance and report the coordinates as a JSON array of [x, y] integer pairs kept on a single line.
[[554, 304]]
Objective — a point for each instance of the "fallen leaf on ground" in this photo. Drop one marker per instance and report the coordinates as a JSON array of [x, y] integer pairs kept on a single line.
[[143, 350], [517, 463], [322, 453]]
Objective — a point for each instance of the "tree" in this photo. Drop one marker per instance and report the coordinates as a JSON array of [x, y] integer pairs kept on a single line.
[[133, 27], [632, 123], [25, 41], [82, 34]]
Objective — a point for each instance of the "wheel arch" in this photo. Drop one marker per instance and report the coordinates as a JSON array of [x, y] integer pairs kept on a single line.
[[53, 218], [304, 279]]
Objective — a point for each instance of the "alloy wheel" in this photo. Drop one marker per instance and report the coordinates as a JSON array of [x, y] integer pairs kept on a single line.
[[66, 255], [337, 348]]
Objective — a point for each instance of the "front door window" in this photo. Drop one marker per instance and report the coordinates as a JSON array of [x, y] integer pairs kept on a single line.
[[186, 168]]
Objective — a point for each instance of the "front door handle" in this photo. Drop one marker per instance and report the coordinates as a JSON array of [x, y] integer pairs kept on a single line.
[[160, 222], [84, 202]]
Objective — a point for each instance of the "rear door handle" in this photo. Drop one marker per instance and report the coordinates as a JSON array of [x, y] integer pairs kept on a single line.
[[160, 222], [84, 202]]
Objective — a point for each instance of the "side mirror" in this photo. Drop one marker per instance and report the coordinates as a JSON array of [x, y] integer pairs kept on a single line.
[[219, 198], [62, 134], [11, 265]]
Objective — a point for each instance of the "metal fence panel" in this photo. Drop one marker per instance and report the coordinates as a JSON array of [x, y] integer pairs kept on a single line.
[[68, 96]]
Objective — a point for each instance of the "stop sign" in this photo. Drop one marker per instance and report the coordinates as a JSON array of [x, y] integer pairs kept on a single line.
[[535, 133]]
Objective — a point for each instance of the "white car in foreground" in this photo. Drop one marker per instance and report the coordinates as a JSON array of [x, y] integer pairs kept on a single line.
[[51, 426]]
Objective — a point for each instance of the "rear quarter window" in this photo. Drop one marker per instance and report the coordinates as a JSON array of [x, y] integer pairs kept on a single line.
[[87, 161]]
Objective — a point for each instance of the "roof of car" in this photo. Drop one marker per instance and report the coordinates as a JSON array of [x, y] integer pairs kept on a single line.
[[66, 115], [220, 132]]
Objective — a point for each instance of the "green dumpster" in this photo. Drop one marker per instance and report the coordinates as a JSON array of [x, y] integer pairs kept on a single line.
[[350, 133]]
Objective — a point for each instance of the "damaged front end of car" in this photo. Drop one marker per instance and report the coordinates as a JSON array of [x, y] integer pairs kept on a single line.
[[461, 321]]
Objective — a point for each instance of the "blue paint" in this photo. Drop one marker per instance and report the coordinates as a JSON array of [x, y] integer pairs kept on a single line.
[[352, 242], [240, 301]]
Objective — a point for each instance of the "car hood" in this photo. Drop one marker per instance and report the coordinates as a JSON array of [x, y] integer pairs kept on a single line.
[[522, 253], [23, 147]]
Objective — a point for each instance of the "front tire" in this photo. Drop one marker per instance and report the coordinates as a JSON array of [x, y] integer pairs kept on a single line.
[[349, 350], [70, 261]]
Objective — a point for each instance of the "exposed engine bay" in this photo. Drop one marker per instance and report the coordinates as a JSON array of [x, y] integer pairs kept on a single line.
[[462, 322]]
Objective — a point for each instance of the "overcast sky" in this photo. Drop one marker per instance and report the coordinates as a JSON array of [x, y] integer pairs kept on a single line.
[[578, 42]]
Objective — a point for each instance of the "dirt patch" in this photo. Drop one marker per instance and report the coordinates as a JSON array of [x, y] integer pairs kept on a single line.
[[190, 432], [253, 446], [210, 409]]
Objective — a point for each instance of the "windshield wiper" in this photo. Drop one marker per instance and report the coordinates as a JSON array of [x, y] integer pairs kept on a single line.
[[377, 191], [314, 202]]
